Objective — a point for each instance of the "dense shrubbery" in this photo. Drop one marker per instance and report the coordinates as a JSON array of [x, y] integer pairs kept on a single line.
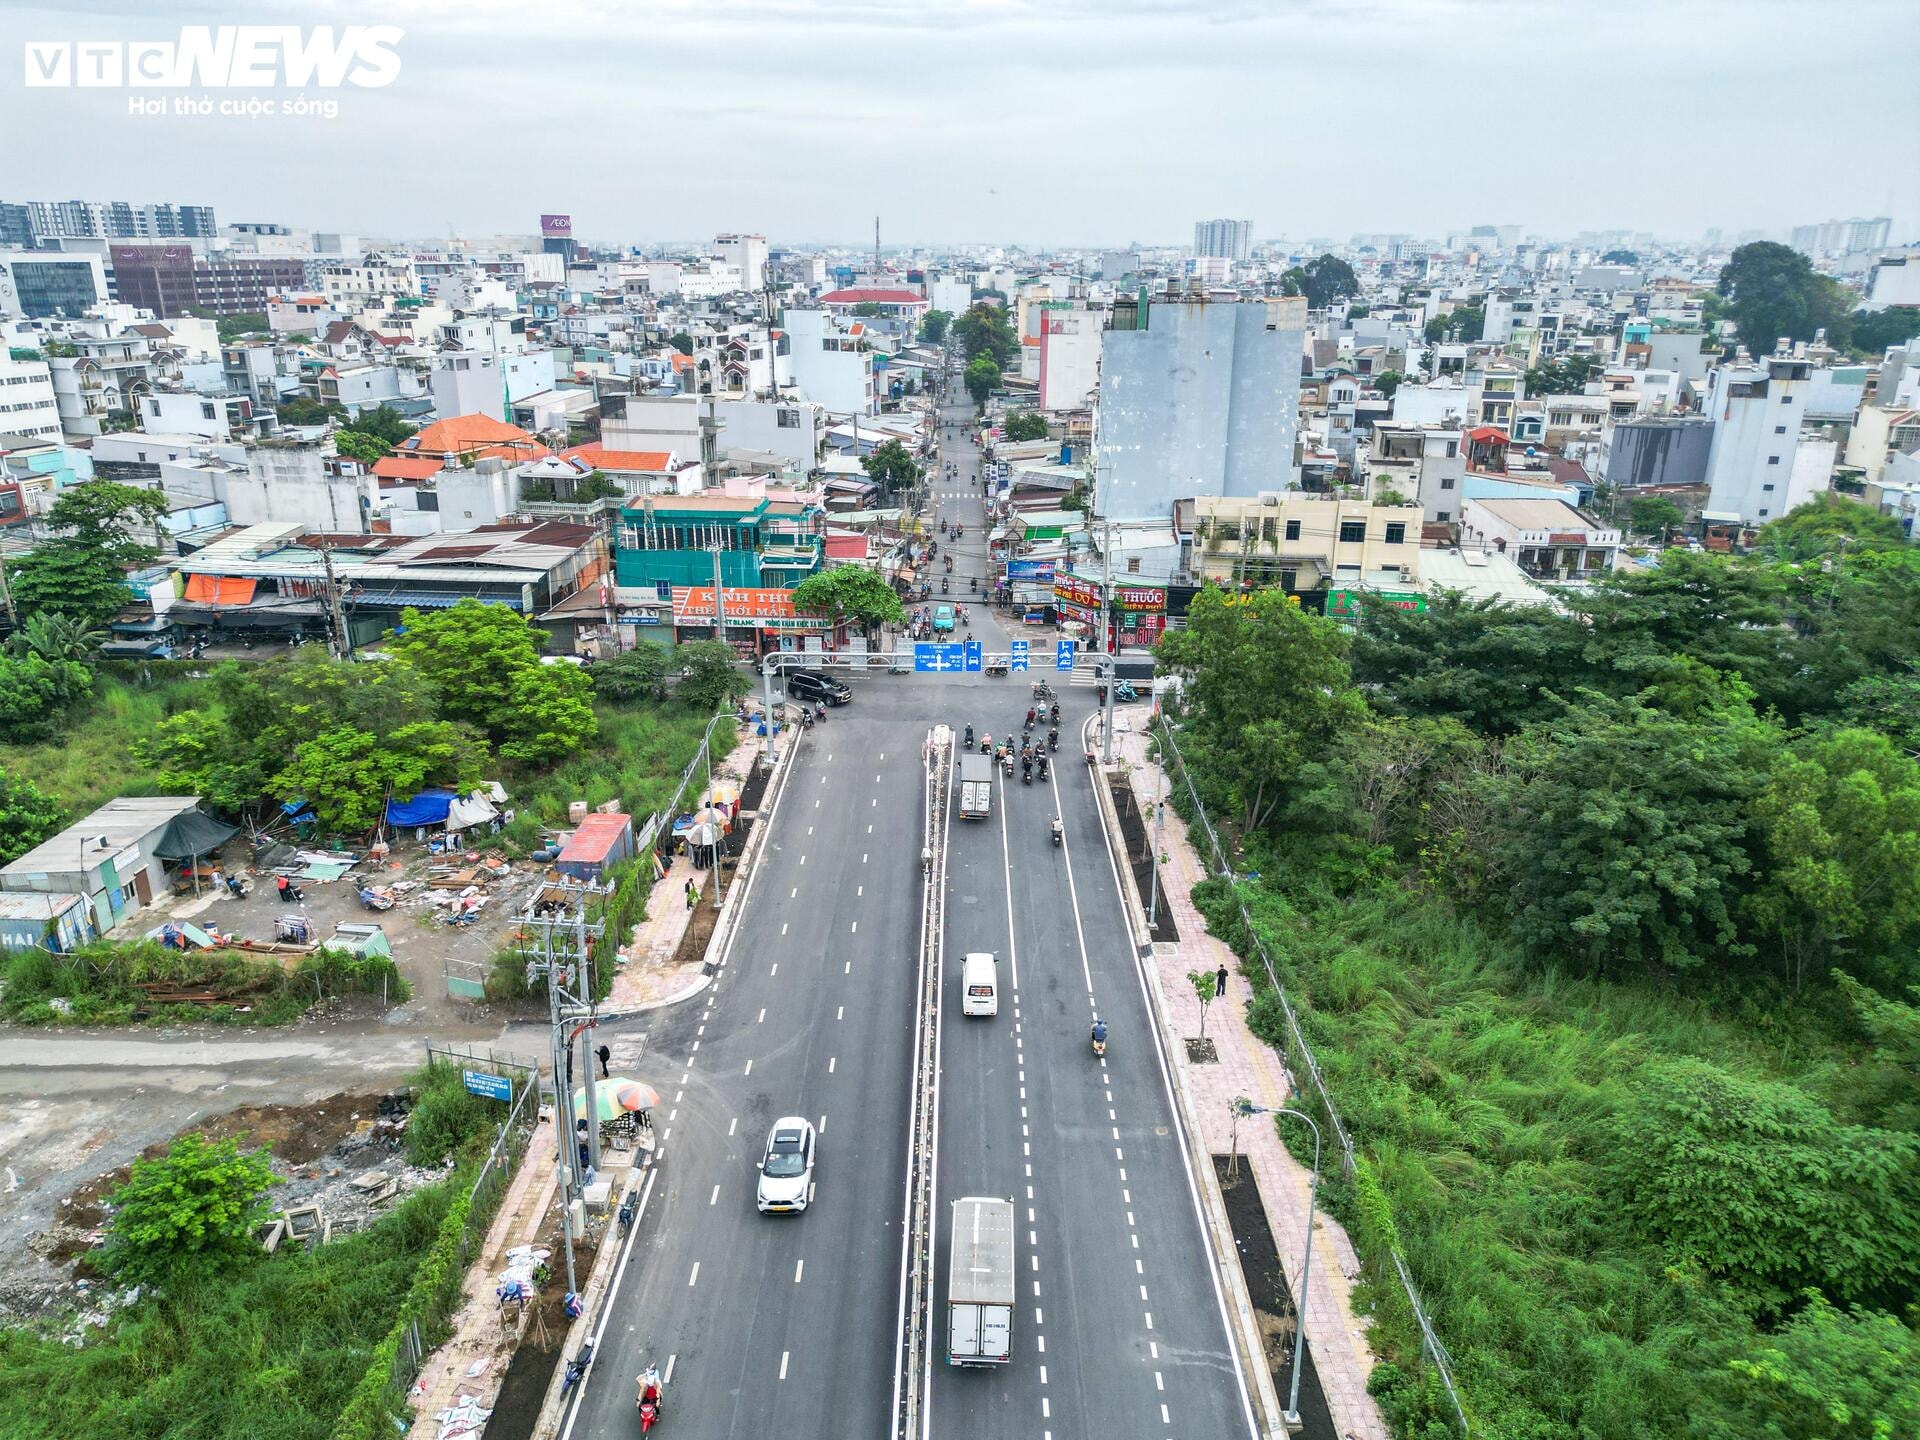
[[99, 984], [1603, 926]]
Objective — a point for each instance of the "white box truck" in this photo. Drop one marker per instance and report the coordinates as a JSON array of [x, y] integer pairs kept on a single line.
[[976, 787], [980, 1282]]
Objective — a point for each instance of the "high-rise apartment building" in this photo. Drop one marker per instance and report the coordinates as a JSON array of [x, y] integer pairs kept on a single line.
[[1842, 237], [1223, 239], [171, 280], [36, 222], [1756, 411]]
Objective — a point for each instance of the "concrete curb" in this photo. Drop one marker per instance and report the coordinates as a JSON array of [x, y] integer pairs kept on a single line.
[[687, 994], [769, 805], [1219, 1231]]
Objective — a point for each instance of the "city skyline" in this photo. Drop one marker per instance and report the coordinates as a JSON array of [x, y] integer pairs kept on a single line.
[[1057, 126]]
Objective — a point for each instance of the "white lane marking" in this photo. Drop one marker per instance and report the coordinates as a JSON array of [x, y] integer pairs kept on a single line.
[[832, 1060], [1165, 1419], [714, 1199], [799, 1269], [774, 971], [809, 829], [1143, 1292], [1043, 1374], [1149, 1319], [783, 927], [668, 1376], [694, 1278], [841, 1013], [803, 859], [848, 970], [733, 1124], [749, 1069], [856, 928], [796, 893], [762, 1019], [822, 1126], [858, 891], [1158, 1382], [783, 1363]]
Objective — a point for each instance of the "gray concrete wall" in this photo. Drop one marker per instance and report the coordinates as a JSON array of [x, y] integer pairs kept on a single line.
[[1203, 401]]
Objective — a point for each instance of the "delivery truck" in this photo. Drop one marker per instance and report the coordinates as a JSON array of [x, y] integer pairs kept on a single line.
[[976, 787], [980, 1282]]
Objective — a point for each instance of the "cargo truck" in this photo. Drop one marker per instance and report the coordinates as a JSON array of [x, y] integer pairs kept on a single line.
[[976, 787], [980, 1282]]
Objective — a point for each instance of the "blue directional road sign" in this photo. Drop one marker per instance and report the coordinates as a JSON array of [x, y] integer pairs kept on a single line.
[[975, 660], [938, 659], [1063, 654], [1017, 654]]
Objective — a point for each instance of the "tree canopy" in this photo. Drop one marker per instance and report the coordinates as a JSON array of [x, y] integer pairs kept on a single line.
[[80, 570], [933, 326], [1463, 323], [982, 378], [1325, 279], [1026, 425], [193, 1209], [892, 468], [27, 816], [984, 330], [850, 592], [1773, 292]]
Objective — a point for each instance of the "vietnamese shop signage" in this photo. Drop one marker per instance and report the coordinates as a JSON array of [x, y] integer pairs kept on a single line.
[[1072, 590], [1352, 604], [1041, 570], [1147, 599], [744, 605], [1134, 599]]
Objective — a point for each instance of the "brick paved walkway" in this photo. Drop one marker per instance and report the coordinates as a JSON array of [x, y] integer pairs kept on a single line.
[[1336, 1337], [649, 977]]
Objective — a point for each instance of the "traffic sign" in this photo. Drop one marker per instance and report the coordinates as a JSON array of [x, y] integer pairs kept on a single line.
[[975, 659], [1063, 654], [938, 659], [1017, 655]]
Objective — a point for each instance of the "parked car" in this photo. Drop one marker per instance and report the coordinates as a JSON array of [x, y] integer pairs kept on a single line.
[[786, 1170], [806, 685]]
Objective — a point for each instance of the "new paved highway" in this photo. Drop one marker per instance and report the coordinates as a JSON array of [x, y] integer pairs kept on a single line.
[[785, 1326]]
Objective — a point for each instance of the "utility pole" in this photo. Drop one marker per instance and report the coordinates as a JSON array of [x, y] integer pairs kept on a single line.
[[6, 595], [719, 600], [339, 644], [569, 1001], [1106, 589], [876, 249]]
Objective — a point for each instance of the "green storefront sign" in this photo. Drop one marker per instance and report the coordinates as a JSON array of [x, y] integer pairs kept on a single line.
[[1352, 604]]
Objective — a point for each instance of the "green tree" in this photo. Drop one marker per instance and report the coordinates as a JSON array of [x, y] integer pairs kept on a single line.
[[1464, 323], [1758, 1182], [1828, 1374], [1325, 279], [27, 816], [1024, 425], [184, 1216], [1567, 375], [868, 309], [933, 326], [347, 774], [232, 327], [681, 341], [383, 422], [1813, 529], [55, 637], [197, 752], [1293, 281], [356, 445], [1620, 257], [639, 674], [710, 676], [1388, 381], [1889, 704], [306, 410], [1877, 331], [1839, 818], [892, 468], [1492, 666], [36, 694], [1655, 515], [1888, 1089], [981, 377], [80, 570], [1621, 831], [1268, 689], [985, 330], [850, 592], [484, 663], [1773, 291]]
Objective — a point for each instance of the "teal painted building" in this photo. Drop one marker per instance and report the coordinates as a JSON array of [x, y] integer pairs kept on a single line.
[[670, 539]]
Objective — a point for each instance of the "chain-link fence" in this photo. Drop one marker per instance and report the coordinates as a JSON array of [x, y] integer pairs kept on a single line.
[[1298, 1054]]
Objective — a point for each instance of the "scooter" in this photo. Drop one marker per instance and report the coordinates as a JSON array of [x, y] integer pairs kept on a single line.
[[969, 741], [1056, 830], [1026, 772], [986, 744], [651, 1411], [1043, 764], [1053, 741], [1125, 691], [1099, 1038], [1009, 762]]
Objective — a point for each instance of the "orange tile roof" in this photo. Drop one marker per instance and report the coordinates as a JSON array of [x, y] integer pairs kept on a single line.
[[407, 467], [478, 436], [599, 457]]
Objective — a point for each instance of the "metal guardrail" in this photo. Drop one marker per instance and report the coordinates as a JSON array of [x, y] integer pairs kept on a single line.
[[916, 1295], [1430, 1345]]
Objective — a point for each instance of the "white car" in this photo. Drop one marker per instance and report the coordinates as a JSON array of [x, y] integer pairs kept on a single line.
[[786, 1170]]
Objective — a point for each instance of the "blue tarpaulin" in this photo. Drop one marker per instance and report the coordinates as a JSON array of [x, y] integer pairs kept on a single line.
[[429, 807]]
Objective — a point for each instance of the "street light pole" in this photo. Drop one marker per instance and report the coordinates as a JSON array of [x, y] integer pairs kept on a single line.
[[1290, 1417]]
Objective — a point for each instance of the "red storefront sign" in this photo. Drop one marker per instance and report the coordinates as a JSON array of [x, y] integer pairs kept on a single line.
[[1072, 590], [694, 604]]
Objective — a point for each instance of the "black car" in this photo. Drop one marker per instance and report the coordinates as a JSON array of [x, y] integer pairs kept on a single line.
[[805, 685]]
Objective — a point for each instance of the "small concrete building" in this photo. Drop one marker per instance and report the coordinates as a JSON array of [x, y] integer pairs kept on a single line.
[[107, 857], [59, 923]]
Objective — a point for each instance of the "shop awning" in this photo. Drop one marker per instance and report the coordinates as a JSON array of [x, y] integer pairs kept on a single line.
[[220, 590]]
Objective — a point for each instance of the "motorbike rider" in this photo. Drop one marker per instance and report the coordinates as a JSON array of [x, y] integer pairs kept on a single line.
[[1042, 757], [1057, 829], [1054, 713], [1099, 1031], [649, 1382], [969, 741]]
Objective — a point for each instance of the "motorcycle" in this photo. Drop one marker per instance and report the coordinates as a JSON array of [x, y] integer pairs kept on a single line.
[[1043, 764], [1053, 741], [1056, 830], [1125, 691], [1008, 761], [969, 741], [986, 744], [650, 1401], [1026, 772], [1099, 1038], [1054, 714]]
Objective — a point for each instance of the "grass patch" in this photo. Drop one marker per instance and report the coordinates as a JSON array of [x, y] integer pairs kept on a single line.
[[99, 984], [92, 761], [272, 1352]]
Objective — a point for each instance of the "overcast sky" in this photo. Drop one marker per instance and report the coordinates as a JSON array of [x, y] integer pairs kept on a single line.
[[1048, 122]]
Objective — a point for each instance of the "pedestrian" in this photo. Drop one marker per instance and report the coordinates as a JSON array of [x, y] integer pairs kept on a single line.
[[692, 894], [606, 1055], [1220, 982]]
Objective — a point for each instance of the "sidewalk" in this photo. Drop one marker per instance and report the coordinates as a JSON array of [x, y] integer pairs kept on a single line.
[[1336, 1337], [649, 976], [478, 1335]]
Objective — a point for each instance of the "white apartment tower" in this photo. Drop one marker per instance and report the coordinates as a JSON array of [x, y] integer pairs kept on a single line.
[[1223, 239], [1756, 411]]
